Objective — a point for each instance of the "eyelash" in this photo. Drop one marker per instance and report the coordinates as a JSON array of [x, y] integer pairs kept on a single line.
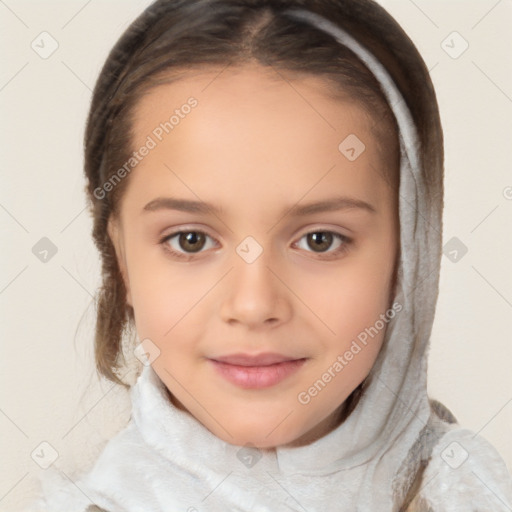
[[344, 247]]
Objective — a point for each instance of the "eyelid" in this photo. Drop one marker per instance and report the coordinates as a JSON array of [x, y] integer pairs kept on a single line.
[[323, 228], [186, 228]]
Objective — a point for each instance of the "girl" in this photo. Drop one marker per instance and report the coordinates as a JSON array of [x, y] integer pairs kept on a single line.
[[266, 182]]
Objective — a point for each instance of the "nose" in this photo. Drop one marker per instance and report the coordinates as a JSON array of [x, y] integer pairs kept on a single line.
[[255, 297]]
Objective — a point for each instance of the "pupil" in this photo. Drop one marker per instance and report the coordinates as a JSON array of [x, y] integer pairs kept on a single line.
[[322, 240], [188, 241]]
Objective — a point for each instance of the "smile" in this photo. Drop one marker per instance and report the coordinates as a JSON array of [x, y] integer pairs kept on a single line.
[[256, 372]]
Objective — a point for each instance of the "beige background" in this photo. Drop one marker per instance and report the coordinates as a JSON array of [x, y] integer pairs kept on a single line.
[[49, 392]]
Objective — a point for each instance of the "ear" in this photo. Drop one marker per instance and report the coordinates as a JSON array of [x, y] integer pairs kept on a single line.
[[115, 233]]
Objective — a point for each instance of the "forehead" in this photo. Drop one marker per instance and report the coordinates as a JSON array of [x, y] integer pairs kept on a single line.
[[258, 131], [247, 89]]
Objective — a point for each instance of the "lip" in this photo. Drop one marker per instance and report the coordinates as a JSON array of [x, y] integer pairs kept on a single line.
[[264, 359], [256, 371]]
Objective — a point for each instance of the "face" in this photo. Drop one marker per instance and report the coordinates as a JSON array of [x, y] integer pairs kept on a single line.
[[257, 253]]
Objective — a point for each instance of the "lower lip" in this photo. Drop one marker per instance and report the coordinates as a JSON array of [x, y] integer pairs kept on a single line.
[[257, 377]]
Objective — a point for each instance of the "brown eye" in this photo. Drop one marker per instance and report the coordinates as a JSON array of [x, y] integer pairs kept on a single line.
[[320, 241], [327, 244], [186, 244], [192, 241]]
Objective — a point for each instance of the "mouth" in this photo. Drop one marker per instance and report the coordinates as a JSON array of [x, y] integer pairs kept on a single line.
[[256, 371]]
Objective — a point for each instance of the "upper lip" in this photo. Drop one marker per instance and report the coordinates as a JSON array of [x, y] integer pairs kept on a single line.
[[265, 359]]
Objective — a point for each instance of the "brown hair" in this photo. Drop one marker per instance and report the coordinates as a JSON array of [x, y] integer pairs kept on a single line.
[[173, 36]]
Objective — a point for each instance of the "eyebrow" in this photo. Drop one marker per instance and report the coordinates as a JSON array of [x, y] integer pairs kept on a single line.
[[191, 206]]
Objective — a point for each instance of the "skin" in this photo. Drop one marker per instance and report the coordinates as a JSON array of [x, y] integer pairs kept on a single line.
[[256, 147]]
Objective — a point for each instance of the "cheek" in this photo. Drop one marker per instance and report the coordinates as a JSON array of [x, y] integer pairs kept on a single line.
[[169, 301], [160, 295], [350, 303], [352, 297]]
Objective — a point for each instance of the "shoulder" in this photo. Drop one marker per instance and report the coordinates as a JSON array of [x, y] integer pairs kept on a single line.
[[60, 491], [464, 472]]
